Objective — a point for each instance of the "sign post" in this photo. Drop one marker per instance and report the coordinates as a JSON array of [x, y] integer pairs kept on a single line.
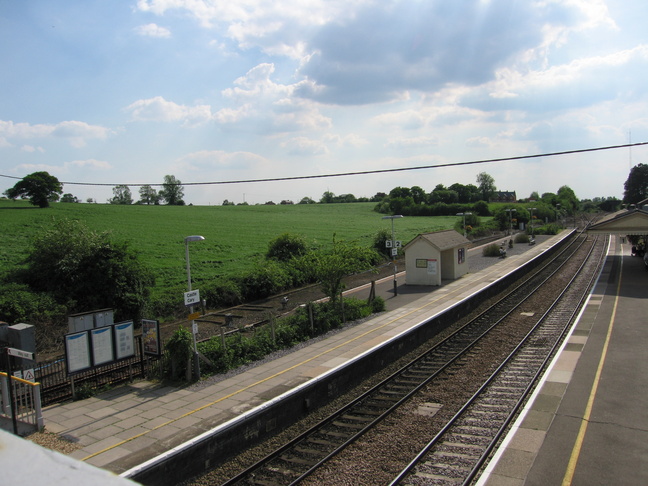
[[193, 297]]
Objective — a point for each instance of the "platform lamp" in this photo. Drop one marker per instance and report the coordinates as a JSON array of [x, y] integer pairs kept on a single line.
[[531, 220], [196, 361], [464, 221], [394, 249], [511, 211]]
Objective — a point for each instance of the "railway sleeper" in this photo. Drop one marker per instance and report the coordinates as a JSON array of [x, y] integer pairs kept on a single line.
[[436, 478], [368, 410], [460, 445], [380, 402], [349, 425], [471, 439], [457, 457], [358, 418], [449, 470], [262, 482], [338, 435], [306, 450], [323, 442], [491, 414], [298, 461], [474, 431]]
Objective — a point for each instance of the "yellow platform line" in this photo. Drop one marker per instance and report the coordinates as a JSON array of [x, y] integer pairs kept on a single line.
[[573, 460], [373, 330]]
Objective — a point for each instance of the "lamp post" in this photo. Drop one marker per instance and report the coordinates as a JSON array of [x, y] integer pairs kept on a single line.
[[196, 362], [394, 248], [464, 221], [531, 220], [511, 211]]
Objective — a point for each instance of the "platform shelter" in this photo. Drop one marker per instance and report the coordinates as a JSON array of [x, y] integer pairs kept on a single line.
[[627, 222], [433, 257]]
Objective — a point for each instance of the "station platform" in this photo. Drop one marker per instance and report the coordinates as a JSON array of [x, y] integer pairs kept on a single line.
[[587, 422], [123, 429]]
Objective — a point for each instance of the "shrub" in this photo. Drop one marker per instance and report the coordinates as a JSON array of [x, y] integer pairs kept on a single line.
[[547, 229], [178, 351], [288, 332], [267, 279], [521, 238], [222, 293], [286, 246], [378, 305], [492, 250]]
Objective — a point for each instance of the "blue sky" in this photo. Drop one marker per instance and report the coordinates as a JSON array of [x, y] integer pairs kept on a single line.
[[125, 92]]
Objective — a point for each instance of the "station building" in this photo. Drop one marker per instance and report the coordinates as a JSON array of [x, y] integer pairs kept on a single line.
[[433, 257]]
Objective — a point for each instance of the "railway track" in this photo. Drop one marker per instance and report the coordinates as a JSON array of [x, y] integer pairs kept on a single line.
[[458, 452], [295, 461]]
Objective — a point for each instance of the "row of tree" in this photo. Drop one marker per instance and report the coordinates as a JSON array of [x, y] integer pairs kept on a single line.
[[172, 193], [41, 188]]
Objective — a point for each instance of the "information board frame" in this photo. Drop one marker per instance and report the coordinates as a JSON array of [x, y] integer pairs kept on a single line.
[[77, 352], [124, 340], [102, 345]]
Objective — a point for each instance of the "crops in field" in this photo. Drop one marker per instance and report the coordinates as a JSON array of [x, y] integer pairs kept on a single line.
[[236, 237]]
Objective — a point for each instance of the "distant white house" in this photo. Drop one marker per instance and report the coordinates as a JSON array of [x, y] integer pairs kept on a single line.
[[433, 257]]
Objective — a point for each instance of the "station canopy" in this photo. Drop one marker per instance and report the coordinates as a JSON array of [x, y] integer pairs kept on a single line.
[[627, 222]]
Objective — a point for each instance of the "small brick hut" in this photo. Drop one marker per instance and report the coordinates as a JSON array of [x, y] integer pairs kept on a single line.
[[433, 257]]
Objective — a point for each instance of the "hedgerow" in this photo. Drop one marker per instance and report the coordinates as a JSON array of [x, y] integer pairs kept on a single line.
[[283, 333]]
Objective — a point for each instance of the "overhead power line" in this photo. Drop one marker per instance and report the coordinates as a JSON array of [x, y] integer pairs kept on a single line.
[[365, 172]]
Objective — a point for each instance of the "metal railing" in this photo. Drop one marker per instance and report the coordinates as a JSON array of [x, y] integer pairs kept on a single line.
[[26, 412]]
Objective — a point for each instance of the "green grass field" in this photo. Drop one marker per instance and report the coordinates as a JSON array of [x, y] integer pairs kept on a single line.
[[236, 237]]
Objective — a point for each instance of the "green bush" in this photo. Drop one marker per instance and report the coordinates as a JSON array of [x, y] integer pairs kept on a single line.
[[547, 229], [288, 332], [492, 250], [521, 238], [178, 352], [222, 293], [266, 279], [378, 305], [286, 246]]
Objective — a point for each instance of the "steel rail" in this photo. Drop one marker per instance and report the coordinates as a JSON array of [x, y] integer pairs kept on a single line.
[[289, 460], [425, 451]]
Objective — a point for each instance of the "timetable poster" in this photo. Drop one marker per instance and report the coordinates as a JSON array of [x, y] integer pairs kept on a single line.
[[151, 337], [124, 341], [77, 351], [102, 346]]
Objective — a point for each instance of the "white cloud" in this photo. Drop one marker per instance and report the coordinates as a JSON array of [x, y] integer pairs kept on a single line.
[[152, 30], [31, 149], [305, 146], [272, 106], [159, 109], [77, 133], [65, 168], [413, 142], [206, 160]]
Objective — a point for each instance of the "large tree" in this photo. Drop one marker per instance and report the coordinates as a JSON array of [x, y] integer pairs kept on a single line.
[[121, 195], [85, 270], [486, 185], [39, 187], [172, 191], [636, 186], [148, 195], [330, 267], [567, 199]]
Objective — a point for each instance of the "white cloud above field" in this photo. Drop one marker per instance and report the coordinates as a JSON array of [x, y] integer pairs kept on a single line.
[[215, 91]]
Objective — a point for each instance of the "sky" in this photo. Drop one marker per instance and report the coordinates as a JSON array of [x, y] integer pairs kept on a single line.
[[104, 92]]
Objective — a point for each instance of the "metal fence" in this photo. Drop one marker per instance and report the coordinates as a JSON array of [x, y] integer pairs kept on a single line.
[[25, 415], [57, 386]]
